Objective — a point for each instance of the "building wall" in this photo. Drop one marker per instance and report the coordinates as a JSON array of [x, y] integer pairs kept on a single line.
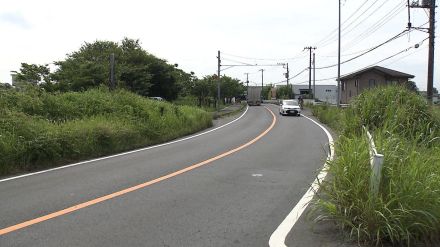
[[325, 93], [353, 87]]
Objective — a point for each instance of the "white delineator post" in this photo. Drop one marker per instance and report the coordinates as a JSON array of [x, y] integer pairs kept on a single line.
[[376, 162]]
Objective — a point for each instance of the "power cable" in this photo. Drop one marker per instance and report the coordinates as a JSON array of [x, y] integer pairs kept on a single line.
[[336, 29], [368, 51], [372, 12], [376, 26], [351, 23], [293, 77], [300, 55]]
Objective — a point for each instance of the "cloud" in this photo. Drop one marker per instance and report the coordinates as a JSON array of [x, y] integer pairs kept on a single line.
[[15, 19]]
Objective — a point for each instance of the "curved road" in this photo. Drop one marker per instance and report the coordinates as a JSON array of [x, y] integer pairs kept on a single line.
[[236, 199]]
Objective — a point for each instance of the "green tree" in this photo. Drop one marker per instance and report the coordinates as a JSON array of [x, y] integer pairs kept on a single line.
[[33, 73], [411, 85], [284, 92], [86, 68], [265, 91], [135, 69]]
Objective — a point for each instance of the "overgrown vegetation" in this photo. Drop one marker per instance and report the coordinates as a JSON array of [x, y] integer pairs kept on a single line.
[[39, 129], [407, 131]]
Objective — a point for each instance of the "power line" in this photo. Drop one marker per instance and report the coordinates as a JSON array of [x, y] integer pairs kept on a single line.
[[384, 59], [368, 51], [293, 77], [333, 34], [400, 52], [376, 26], [372, 12], [351, 23], [418, 50], [336, 29], [299, 55]]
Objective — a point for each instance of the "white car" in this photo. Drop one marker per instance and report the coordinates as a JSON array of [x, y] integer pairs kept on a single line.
[[290, 107]]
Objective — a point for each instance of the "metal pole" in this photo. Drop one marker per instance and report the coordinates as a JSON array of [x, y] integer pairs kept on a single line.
[[218, 80], [339, 58], [431, 51]]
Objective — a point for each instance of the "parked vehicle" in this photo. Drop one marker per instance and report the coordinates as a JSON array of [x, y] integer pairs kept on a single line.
[[290, 107], [254, 96], [157, 98]]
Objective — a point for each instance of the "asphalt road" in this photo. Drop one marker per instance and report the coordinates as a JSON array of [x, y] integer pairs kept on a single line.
[[236, 200]]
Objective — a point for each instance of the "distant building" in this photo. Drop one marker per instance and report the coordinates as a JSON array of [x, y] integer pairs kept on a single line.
[[435, 96], [324, 93], [353, 84]]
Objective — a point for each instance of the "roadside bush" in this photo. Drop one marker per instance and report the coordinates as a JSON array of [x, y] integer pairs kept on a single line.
[[39, 130], [407, 208]]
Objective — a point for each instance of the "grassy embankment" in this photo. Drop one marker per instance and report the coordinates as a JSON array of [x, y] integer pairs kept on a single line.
[[40, 130], [407, 131]]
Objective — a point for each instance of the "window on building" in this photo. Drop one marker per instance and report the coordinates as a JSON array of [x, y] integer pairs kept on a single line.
[[371, 83], [343, 86], [356, 83]]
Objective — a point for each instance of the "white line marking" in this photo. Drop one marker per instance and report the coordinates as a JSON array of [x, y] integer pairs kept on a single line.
[[278, 237], [125, 153]]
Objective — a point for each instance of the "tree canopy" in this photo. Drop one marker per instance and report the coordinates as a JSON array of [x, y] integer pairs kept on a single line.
[[135, 70]]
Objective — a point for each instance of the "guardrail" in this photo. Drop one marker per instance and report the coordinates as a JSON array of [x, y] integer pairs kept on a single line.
[[376, 163]]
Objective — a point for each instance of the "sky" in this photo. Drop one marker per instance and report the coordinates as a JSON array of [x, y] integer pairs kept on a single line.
[[264, 34]]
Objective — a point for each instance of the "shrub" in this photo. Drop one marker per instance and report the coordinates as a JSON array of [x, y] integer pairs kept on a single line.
[[39, 130], [407, 208]]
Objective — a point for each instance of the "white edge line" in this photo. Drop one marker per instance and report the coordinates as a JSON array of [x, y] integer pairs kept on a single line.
[[278, 237], [125, 153]]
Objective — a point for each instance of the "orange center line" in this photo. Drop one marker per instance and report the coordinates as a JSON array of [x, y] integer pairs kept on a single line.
[[134, 188]]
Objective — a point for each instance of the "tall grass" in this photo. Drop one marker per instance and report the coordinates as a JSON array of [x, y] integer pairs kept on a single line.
[[407, 210], [39, 130]]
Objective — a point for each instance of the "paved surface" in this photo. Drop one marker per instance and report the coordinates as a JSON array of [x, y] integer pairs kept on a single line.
[[238, 200]]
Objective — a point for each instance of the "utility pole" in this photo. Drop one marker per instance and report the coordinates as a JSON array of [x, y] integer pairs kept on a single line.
[[338, 98], [431, 31], [314, 76], [112, 71], [262, 79], [218, 80], [310, 67], [287, 79]]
